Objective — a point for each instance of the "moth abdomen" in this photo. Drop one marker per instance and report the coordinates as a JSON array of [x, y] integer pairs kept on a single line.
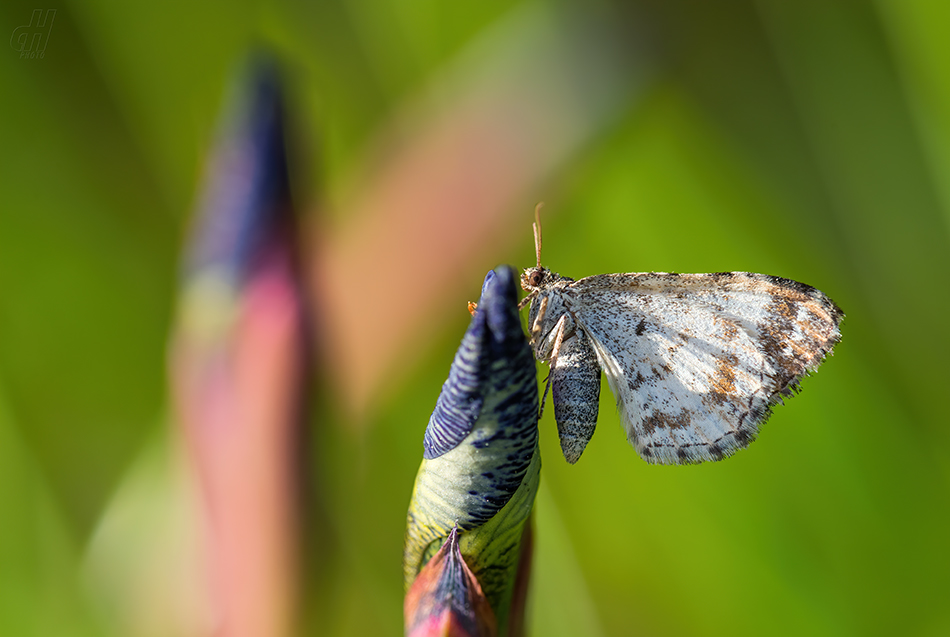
[[575, 382]]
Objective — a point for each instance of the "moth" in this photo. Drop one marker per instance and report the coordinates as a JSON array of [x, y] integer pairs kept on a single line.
[[695, 361]]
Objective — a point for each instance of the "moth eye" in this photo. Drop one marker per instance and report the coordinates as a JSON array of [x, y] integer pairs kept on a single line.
[[535, 278]]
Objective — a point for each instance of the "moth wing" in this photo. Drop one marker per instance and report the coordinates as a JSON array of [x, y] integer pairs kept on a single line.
[[696, 361]]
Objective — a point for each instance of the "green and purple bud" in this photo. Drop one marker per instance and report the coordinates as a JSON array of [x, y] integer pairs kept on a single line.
[[479, 474]]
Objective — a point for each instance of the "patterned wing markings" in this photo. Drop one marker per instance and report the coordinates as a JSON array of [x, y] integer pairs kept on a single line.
[[697, 360]]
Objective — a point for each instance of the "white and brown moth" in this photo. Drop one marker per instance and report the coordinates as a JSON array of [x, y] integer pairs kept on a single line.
[[696, 361]]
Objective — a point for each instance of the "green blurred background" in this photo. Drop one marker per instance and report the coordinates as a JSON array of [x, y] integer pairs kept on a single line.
[[809, 140]]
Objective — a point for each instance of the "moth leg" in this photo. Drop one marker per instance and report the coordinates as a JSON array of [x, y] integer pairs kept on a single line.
[[575, 378], [538, 320], [544, 398], [524, 302], [547, 335], [558, 331]]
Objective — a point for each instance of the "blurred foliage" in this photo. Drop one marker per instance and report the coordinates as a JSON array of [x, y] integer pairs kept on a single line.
[[809, 140]]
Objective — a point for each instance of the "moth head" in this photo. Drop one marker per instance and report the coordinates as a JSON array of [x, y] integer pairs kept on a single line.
[[533, 278]]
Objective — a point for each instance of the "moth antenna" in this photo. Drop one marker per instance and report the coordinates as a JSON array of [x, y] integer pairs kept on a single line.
[[537, 231]]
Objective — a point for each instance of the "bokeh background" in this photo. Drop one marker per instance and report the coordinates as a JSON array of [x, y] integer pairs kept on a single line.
[[809, 140]]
